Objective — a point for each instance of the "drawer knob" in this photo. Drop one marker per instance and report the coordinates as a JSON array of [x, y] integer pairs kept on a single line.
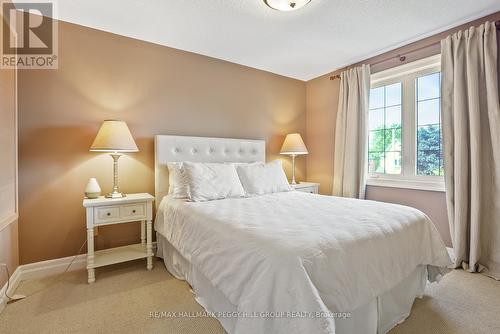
[[133, 211], [108, 214]]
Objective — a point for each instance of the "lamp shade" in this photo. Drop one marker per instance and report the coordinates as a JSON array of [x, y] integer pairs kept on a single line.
[[293, 144], [114, 136]]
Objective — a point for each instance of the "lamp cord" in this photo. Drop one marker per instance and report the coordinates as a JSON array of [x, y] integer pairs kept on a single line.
[[8, 281], [10, 298]]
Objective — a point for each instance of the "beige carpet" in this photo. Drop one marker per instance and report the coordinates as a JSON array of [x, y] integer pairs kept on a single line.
[[124, 295]]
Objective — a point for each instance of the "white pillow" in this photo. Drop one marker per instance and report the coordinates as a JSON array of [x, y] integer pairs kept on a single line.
[[177, 184], [259, 179], [210, 181], [236, 164]]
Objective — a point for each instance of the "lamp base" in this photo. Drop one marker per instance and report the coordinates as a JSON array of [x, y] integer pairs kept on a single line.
[[293, 170], [115, 195]]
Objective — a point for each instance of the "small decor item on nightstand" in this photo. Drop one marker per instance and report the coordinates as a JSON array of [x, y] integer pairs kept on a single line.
[[92, 190], [114, 137], [293, 146]]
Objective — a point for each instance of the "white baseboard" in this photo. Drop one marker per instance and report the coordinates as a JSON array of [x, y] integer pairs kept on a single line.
[[39, 270], [43, 269], [52, 267]]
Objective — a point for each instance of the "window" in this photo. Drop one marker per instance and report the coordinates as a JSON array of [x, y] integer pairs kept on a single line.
[[384, 144], [429, 147], [404, 140]]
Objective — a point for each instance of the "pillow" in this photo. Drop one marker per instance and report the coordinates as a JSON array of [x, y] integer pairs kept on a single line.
[[259, 179], [177, 183], [210, 181], [236, 164]]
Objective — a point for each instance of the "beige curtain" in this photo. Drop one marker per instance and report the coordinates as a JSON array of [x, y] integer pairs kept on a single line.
[[471, 141], [349, 175]]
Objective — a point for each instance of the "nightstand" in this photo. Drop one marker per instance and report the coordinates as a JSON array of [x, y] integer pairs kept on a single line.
[[108, 211], [307, 187]]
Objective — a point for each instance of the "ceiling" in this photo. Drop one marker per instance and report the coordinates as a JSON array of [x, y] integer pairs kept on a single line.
[[323, 36]]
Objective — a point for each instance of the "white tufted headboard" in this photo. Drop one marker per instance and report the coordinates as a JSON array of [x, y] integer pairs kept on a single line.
[[201, 149]]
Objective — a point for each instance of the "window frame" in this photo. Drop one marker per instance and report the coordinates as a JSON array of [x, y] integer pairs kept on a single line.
[[407, 75]]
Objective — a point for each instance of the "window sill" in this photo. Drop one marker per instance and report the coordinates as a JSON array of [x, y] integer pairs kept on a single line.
[[407, 184]]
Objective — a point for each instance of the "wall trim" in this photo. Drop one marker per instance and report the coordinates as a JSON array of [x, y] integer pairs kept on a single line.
[[39, 270], [15, 215], [52, 267], [43, 269], [7, 221]]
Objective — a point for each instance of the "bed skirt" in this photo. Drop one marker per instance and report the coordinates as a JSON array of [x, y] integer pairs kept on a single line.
[[378, 316]]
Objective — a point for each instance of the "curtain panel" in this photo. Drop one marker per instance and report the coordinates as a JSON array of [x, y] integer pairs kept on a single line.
[[350, 156], [471, 141]]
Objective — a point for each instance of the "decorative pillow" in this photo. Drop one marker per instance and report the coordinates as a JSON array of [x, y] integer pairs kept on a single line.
[[259, 179], [177, 184], [210, 181]]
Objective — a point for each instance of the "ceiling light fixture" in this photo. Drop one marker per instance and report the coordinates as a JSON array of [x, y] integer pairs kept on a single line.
[[286, 5]]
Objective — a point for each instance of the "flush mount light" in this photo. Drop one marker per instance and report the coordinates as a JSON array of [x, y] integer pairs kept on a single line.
[[286, 5]]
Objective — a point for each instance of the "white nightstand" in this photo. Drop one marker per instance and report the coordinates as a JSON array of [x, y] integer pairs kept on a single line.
[[307, 187], [107, 211]]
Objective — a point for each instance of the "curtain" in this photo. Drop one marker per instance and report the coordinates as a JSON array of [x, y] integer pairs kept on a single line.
[[349, 175], [471, 142]]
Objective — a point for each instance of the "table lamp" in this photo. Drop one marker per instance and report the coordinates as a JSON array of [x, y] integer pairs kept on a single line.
[[114, 137], [293, 146]]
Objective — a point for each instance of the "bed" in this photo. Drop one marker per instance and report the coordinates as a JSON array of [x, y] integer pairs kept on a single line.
[[292, 262]]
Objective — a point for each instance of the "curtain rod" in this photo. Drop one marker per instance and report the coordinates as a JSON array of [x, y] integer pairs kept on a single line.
[[402, 57]]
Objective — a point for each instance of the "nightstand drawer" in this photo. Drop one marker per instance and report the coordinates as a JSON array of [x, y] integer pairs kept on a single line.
[[107, 213], [306, 187], [133, 211], [311, 190]]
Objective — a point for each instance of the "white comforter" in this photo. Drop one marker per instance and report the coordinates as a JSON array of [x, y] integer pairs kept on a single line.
[[297, 252]]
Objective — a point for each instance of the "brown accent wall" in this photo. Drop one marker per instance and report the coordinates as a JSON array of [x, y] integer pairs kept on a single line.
[[322, 100], [156, 90]]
